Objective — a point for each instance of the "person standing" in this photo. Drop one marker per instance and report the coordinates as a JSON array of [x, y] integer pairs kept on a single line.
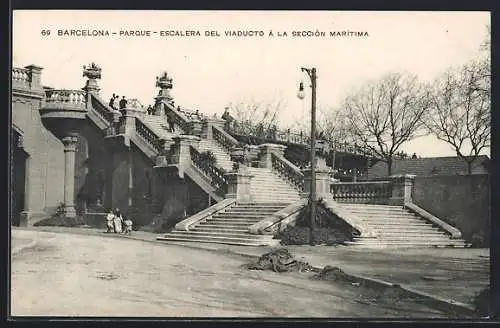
[[117, 221], [112, 101], [170, 121], [123, 103]]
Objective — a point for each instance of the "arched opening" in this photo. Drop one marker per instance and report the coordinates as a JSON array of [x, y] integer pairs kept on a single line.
[[18, 174]]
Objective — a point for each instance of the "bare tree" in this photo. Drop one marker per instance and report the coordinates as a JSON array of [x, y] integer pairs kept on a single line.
[[386, 113], [459, 109], [256, 117]]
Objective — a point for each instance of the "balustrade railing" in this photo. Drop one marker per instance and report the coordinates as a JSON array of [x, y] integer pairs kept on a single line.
[[369, 192], [147, 135], [101, 110], [73, 98], [287, 170], [20, 76], [180, 120], [214, 173], [223, 138], [301, 138]]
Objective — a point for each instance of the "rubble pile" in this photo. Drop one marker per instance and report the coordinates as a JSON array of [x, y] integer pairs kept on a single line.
[[332, 273], [280, 260]]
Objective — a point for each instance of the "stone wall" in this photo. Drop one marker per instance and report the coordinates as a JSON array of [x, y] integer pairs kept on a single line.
[[462, 201], [45, 164]]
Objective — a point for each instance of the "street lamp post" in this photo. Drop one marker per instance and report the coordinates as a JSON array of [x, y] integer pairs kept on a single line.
[[312, 75]]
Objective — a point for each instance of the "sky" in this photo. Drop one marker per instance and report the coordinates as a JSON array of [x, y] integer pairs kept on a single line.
[[211, 72]]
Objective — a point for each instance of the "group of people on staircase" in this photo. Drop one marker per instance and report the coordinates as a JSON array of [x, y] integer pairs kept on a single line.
[[122, 103], [117, 223]]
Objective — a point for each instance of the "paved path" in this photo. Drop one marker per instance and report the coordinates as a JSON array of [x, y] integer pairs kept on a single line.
[[456, 274], [97, 275]]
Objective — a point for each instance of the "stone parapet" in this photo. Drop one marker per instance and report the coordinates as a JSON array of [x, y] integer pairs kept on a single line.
[[402, 186], [238, 186], [265, 154]]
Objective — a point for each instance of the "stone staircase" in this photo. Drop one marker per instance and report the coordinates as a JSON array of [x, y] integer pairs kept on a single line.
[[398, 227], [223, 158], [266, 186], [158, 124], [230, 226]]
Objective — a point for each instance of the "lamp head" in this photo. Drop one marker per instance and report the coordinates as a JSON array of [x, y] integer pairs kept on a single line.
[[301, 94]]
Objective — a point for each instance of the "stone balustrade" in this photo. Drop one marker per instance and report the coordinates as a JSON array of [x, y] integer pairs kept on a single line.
[[224, 139], [216, 174], [287, 170], [370, 192], [147, 135], [61, 98], [21, 77]]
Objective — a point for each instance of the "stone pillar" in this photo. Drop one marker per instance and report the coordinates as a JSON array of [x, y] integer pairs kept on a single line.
[[69, 174], [129, 115], [265, 153], [402, 186], [322, 183], [35, 76], [196, 128], [181, 154], [238, 186], [206, 130]]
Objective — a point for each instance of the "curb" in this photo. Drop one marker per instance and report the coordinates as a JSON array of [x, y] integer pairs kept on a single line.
[[18, 249]]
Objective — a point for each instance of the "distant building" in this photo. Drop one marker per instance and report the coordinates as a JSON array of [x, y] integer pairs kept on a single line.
[[430, 166]]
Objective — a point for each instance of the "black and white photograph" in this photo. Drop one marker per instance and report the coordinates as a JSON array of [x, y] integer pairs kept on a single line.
[[250, 164]]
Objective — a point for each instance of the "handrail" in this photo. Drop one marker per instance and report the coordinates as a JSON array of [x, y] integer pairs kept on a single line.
[[288, 170], [216, 174], [75, 98], [223, 138], [148, 135]]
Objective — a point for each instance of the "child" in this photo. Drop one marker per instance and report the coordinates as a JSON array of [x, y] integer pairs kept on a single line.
[[109, 221], [127, 226]]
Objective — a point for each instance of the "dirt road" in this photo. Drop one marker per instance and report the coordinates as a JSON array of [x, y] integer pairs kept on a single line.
[[77, 275]]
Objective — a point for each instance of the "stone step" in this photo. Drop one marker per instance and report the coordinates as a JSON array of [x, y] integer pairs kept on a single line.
[[223, 225], [402, 224], [372, 208], [233, 223], [270, 204], [402, 234], [412, 238], [389, 214], [396, 221], [242, 235], [417, 229], [232, 241], [250, 211], [405, 245], [221, 228], [238, 217]]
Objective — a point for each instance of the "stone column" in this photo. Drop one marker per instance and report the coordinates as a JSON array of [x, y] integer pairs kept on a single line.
[[265, 153], [322, 183], [181, 154], [402, 186], [238, 186], [69, 174]]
